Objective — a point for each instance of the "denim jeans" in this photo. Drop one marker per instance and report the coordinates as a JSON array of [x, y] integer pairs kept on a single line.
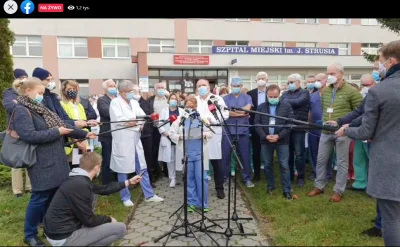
[[37, 207], [296, 154], [378, 219], [267, 155]]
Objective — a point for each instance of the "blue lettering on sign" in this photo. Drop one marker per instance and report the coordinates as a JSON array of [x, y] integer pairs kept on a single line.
[[262, 50]]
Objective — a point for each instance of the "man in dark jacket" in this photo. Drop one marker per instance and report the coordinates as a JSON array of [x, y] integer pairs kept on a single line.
[[258, 96], [51, 100], [70, 219], [147, 136], [275, 139], [103, 106], [299, 99]]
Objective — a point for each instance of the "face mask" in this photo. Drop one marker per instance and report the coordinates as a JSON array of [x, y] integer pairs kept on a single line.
[[161, 92], [136, 97], [310, 86], [273, 101], [317, 84], [261, 83], [364, 91], [291, 87], [113, 91], [236, 90], [130, 96], [71, 94], [173, 103], [38, 99], [332, 79], [375, 75], [203, 91], [51, 85]]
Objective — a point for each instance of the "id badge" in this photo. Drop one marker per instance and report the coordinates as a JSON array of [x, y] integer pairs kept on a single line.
[[329, 110], [272, 121]]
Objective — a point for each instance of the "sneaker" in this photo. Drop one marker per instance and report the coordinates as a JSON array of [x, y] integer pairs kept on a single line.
[[249, 184], [206, 210], [128, 203], [172, 183], [190, 209], [232, 173], [154, 198], [373, 232], [209, 178]]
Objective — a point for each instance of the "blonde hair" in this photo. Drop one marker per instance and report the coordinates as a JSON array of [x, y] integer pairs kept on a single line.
[[191, 99], [20, 86], [89, 161], [64, 85]]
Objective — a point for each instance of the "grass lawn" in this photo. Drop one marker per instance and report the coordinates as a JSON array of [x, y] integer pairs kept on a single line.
[[12, 214], [313, 221]]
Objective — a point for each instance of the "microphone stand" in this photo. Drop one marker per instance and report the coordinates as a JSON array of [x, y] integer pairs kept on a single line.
[[233, 146], [185, 222]]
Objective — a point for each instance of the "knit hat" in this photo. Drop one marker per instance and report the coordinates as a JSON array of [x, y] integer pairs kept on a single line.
[[19, 73], [40, 73]]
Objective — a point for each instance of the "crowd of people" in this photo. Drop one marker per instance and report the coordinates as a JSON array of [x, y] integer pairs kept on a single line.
[[63, 197]]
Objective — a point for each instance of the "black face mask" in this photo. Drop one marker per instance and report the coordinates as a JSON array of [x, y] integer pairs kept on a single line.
[[71, 94]]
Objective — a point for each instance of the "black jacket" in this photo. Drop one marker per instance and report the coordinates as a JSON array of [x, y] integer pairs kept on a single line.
[[300, 102], [72, 207], [283, 110], [89, 110], [254, 98], [147, 107], [103, 106], [353, 116]]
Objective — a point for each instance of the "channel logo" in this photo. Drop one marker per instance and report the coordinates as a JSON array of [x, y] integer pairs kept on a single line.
[[27, 7], [51, 7]]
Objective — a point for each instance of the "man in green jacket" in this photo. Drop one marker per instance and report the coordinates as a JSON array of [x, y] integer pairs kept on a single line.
[[338, 99]]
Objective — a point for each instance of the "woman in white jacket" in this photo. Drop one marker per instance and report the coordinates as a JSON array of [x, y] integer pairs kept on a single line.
[[193, 148], [168, 152]]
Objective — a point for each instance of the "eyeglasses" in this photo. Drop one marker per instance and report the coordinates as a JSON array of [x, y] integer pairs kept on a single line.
[[291, 82]]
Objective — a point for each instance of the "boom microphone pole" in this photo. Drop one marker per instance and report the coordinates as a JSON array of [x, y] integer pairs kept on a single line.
[[327, 127]]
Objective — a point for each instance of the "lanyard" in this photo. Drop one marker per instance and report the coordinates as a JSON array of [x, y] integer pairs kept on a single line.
[[333, 96]]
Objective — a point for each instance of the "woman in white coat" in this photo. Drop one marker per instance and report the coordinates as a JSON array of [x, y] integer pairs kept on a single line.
[[127, 154], [168, 152], [193, 148]]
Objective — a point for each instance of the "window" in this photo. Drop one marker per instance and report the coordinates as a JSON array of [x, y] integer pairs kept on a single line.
[[238, 19], [272, 44], [339, 21], [236, 43], [369, 22], [72, 47], [369, 48], [116, 48], [343, 48], [271, 20], [307, 21], [27, 46], [161, 45], [306, 44], [200, 46]]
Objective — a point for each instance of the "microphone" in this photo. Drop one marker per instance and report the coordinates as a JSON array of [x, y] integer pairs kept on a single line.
[[207, 124], [154, 116], [145, 116], [171, 119], [184, 117], [212, 109]]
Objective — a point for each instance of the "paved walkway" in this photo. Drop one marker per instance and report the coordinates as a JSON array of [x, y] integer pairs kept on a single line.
[[151, 220]]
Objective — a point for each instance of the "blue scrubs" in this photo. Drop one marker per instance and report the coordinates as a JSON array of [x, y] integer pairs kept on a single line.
[[243, 142], [194, 170]]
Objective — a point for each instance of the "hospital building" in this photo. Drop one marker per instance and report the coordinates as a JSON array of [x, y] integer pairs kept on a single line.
[[181, 51]]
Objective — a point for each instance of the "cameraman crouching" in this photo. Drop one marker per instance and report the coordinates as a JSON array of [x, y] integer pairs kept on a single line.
[[70, 219]]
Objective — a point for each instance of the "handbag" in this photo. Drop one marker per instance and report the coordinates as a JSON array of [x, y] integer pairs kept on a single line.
[[16, 153]]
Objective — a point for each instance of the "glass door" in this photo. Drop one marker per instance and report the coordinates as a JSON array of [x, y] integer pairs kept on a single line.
[[174, 84]]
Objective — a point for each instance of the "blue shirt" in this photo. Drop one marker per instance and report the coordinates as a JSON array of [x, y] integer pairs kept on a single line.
[[315, 108], [272, 111], [261, 97], [241, 101]]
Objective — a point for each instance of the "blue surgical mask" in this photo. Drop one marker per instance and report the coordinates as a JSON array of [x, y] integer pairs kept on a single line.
[[38, 99], [130, 96], [291, 87], [160, 92], [113, 91], [203, 91], [173, 103], [376, 76], [273, 101], [310, 86], [236, 90]]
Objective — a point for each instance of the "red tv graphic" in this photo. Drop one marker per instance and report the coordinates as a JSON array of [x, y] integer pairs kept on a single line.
[[51, 7]]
